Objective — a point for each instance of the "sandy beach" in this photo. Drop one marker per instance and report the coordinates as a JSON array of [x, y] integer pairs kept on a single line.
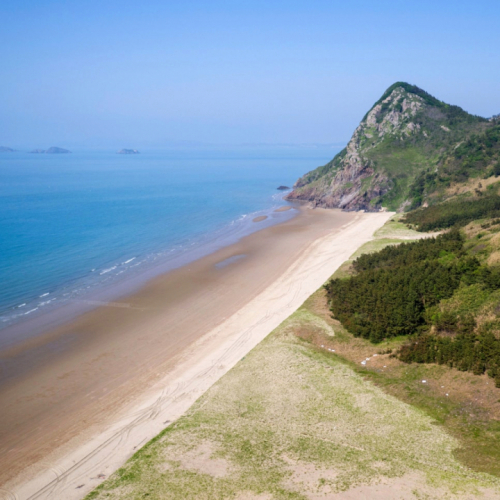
[[83, 398]]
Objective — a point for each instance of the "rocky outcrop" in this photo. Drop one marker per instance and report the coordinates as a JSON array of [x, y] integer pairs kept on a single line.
[[407, 122], [4, 149]]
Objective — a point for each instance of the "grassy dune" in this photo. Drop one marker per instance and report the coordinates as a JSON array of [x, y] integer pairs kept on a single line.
[[300, 417]]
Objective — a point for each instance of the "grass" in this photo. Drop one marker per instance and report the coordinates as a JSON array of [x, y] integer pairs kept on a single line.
[[392, 232], [394, 229], [400, 165], [300, 417]]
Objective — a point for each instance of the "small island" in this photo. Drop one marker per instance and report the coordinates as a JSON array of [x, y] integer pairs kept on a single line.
[[4, 149], [283, 188], [55, 151], [128, 152], [51, 151]]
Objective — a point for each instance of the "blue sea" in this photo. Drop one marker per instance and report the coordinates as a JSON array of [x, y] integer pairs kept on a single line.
[[73, 224]]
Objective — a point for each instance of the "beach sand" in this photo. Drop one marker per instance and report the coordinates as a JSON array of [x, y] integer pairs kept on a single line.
[[106, 383]]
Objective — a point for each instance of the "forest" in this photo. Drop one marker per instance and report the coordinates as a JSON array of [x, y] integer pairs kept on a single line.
[[454, 213], [399, 291]]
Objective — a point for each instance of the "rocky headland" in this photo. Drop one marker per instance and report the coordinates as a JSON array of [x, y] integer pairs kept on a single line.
[[409, 146]]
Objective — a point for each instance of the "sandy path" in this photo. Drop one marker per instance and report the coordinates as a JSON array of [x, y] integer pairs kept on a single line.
[[199, 363]]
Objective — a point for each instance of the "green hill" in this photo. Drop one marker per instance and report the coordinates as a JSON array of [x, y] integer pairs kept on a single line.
[[408, 146]]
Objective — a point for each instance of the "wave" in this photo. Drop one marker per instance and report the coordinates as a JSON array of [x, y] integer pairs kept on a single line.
[[108, 270]]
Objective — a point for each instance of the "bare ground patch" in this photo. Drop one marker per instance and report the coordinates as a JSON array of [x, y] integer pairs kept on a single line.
[[200, 459]]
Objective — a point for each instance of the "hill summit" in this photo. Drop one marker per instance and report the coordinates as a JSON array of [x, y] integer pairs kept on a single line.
[[408, 146]]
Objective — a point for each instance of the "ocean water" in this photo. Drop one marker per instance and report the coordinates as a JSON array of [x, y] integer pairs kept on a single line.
[[73, 224]]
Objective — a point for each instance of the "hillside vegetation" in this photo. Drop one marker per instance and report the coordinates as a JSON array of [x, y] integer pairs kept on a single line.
[[442, 292], [407, 149], [456, 212]]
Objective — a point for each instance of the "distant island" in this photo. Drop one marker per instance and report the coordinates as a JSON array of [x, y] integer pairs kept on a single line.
[[51, 151], [128, 152], [282, 188], [4, 149]]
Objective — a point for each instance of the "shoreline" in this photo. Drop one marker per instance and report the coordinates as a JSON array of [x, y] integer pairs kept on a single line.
[[52, 314], [286, 262]]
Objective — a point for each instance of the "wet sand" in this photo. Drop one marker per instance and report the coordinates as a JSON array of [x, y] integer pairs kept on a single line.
[[72, 385], [260, 218]]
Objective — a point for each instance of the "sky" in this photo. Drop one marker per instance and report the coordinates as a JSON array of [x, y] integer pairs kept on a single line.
[[99, 74]]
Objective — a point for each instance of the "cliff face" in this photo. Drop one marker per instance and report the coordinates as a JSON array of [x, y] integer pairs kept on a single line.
[[405, 133]]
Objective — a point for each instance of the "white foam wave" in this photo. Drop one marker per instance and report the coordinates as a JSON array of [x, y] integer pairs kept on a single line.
[[29, 312], [108, 270], [44, 294], [21, 305], [129, 260]]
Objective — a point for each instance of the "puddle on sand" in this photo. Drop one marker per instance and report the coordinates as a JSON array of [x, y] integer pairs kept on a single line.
[[229, 261]]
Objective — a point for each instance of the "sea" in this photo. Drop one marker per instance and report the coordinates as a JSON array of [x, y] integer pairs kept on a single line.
[[78, 226]]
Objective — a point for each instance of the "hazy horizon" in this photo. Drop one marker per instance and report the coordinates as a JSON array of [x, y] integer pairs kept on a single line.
[[182, 145], [109, 75]]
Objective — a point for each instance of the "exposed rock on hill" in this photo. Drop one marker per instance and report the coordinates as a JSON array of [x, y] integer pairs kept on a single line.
[[407, 136], [4, 149]]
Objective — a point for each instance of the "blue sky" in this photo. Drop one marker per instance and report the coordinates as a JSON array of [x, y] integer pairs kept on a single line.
[[143, 74]]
